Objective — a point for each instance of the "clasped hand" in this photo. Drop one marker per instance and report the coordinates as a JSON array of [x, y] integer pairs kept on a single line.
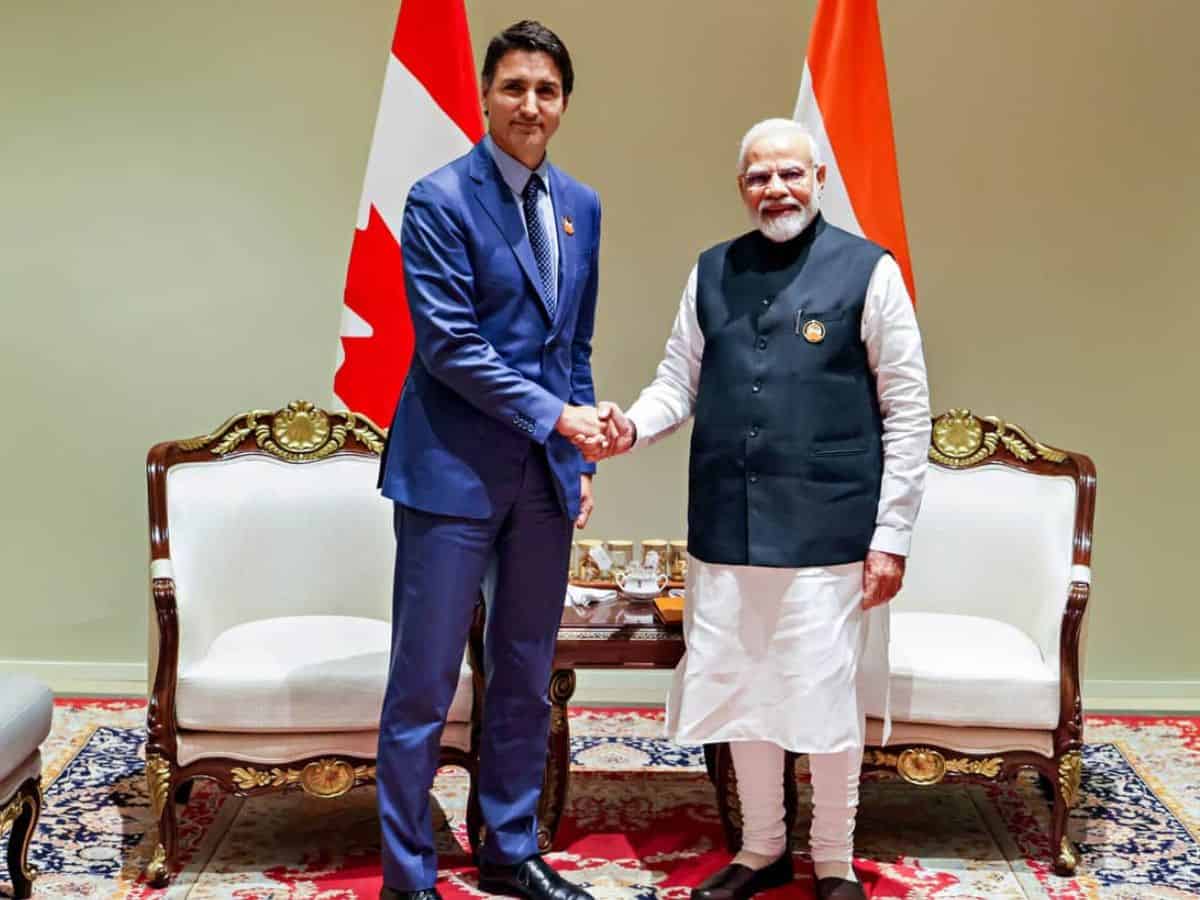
[[598, 431]]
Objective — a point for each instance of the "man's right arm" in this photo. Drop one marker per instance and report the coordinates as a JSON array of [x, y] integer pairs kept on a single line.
[[669, 400], [441, 286]]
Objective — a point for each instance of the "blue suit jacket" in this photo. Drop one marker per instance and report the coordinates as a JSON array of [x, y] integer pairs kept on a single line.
[[491, 371]]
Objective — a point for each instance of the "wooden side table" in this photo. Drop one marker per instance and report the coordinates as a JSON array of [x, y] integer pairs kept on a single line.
[[619, 635]]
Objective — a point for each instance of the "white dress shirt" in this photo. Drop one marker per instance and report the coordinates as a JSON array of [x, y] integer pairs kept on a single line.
[[516, 176]]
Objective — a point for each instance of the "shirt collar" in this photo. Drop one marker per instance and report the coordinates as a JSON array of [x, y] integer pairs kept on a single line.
[[513, 171]]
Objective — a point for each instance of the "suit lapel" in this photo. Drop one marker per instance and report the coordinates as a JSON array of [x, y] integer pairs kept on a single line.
[[567, 253], [497, 199]]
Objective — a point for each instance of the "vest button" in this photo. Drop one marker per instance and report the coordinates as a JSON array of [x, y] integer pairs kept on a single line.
[[766, 301], [753, 477], [756, 387], [754, 431], [762, 343]]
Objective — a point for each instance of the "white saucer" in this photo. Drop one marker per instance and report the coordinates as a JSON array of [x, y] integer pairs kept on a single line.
[[641, 595]]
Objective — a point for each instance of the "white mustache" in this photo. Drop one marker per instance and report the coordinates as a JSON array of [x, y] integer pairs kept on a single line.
[[786, 203]]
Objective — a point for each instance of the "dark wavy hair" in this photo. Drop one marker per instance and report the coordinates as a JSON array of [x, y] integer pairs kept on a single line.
[[531, 36]]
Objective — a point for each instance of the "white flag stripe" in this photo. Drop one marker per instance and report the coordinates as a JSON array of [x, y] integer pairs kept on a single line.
[[835, 199], [413, 136]]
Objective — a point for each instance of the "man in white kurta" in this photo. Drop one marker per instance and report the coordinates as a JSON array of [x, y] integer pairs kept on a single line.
[[792, 658]]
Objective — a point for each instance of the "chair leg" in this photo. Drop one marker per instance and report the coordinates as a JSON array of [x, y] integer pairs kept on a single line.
[[1066, 795], [474, 815], [28, 800], [159, 777]]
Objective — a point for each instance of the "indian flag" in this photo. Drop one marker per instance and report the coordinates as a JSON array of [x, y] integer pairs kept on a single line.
[[844, 105]]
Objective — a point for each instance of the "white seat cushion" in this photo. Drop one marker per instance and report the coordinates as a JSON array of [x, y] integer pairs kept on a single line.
[[26, 707], [296, 674], [968, 670]]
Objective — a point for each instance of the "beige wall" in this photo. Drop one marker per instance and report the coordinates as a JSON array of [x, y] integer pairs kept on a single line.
[[179, 190]]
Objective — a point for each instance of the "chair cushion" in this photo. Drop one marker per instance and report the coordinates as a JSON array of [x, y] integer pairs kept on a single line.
[[296, 674], [968, 670], [26, 707]]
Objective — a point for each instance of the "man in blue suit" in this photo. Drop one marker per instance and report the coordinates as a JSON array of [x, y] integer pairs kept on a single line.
[[500, 265]]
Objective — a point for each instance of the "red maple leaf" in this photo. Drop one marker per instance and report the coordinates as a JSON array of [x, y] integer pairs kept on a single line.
[[373, 372]]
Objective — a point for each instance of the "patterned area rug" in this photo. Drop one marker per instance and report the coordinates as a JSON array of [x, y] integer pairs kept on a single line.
[[641, 822]]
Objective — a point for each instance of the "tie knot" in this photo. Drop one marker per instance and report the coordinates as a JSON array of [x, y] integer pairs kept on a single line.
[[532, 186]]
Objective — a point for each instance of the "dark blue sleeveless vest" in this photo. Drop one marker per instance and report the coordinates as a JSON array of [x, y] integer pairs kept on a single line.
[[786, 454]]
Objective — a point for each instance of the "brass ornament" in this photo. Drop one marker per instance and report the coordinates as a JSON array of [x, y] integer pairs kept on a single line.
[[1070, 773], [158, 780], [325, 778], [157, 872], [301, 428], [960, 440], [568, 225], [921, 766], [299, 433], [10, 813], [925, 766], [813, 331], [957, 434], [1067, 858]]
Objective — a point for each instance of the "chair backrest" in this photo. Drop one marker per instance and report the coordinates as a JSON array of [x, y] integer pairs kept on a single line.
[[1004, 522], [274, 514]]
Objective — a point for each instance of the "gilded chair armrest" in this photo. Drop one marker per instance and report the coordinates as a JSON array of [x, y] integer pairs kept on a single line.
[[160, 712], [1069, 733]]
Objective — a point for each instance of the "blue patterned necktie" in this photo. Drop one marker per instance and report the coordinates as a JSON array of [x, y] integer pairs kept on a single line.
[[539, 241]]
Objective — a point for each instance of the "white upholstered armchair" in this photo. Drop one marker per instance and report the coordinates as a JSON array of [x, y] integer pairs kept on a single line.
[[986, 635], [271, 568]]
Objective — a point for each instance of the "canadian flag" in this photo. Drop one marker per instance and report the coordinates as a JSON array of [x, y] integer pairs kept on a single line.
[[429, 114], [844, 105]]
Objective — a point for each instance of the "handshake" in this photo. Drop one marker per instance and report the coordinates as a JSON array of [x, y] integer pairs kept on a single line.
[[598, 431]]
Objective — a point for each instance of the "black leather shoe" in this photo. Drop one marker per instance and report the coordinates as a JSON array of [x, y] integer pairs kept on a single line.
[[737, 882], [532, 879], [839, 889], [427, 894]]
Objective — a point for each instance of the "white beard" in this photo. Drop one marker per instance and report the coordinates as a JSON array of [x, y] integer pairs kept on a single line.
[[782, 227]]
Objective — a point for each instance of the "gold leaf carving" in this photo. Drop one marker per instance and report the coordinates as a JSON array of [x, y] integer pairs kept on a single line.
[[961, 440], [1067, 860], [924, 765], [156, 871], [158, 780], [324, 778], [1070, 773], [300, 432]]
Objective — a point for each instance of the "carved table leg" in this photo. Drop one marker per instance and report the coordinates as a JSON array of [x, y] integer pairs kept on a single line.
[[27, 804], [1070, 771], [158, 779], [558, 759]]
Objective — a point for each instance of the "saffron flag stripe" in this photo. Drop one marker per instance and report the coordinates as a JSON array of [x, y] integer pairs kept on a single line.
[[844, 94]]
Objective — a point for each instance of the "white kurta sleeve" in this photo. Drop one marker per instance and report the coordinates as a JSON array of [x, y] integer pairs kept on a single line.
[[894, 353], [669, 400]]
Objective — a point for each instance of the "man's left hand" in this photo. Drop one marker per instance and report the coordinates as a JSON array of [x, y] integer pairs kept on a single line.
[[586, 502], [883, 573]]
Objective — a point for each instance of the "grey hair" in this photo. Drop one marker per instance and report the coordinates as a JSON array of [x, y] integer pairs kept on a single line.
[[773, 128]]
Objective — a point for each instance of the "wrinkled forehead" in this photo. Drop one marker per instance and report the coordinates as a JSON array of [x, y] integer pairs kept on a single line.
[[779, 150]]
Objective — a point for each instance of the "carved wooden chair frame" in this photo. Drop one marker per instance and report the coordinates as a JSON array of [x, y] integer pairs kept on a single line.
[[962, 440], [19, 816], [299, 433]]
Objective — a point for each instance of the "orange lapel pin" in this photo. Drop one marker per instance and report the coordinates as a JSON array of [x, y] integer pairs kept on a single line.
[[568, 225]]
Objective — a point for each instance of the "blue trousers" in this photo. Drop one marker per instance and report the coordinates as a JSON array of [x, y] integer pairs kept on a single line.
[[440, 563]]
